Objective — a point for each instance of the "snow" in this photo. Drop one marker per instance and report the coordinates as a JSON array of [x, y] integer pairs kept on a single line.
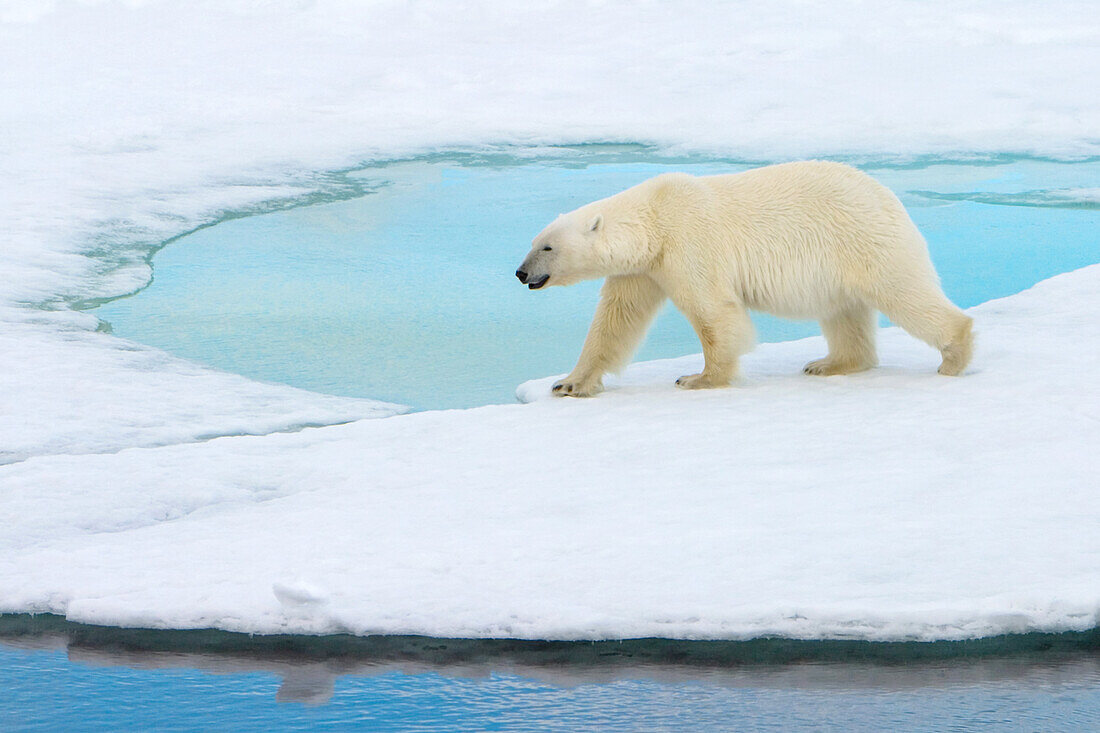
[[894, 504]]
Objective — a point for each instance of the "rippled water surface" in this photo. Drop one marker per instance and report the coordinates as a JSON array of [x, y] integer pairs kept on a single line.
[[49, 689], [407, 293]]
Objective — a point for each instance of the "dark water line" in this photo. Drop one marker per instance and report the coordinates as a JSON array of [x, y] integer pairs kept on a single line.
[[53, 630]]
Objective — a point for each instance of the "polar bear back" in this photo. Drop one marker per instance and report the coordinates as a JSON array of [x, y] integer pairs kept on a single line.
[[798, 239]]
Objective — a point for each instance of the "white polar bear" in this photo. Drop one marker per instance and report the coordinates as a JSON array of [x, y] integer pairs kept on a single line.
[[810, 239]]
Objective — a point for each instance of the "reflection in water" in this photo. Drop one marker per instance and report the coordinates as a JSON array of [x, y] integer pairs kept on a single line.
[[1055, 675], [314, 682]]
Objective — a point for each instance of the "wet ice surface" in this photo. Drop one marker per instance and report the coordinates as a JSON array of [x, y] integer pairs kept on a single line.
[[406, 293]]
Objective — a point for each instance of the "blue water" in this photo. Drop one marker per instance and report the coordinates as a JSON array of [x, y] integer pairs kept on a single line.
[[46, 690], [407, 293]]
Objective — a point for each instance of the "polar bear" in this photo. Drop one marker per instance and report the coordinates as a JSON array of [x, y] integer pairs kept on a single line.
[[809, 239]]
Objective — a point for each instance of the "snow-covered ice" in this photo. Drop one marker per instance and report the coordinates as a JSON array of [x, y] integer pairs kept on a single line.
[[894, 504]]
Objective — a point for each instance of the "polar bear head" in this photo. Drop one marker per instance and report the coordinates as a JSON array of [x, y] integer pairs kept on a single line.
[[618, 235], [571, 249]]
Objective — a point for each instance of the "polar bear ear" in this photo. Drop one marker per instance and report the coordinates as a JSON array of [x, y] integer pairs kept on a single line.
[[596, 223]]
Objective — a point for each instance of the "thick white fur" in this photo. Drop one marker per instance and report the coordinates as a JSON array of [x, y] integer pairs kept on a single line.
[[810, 239]]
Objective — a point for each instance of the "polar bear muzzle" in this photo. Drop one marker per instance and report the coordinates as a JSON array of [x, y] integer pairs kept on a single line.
[[531, 282], [533, 272]]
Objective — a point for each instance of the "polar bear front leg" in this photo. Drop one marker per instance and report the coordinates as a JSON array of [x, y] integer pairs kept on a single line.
[[726, 332], [627, 305]]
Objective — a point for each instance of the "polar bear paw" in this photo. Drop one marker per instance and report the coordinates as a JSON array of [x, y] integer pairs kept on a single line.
[[829, 366], [700, 381], [824, 368], [571, 387]]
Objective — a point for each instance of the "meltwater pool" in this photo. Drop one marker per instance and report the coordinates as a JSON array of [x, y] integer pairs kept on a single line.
[[406, 293]]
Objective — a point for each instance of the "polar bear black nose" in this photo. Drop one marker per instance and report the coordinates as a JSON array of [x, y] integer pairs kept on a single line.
[[521, 275]]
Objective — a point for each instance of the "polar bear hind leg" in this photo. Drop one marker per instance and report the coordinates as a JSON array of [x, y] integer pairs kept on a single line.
[[959, 348], [926, 313], [850, 335]]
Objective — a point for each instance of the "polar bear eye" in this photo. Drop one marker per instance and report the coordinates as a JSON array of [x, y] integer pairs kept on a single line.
[[546, 248]]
